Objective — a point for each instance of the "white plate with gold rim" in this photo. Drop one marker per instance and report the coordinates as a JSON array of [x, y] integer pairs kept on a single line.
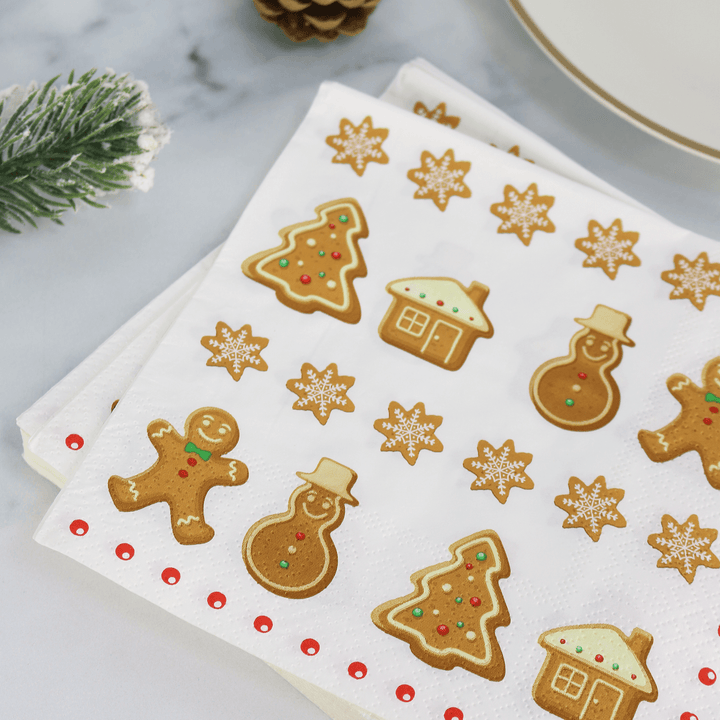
[[655, 62]]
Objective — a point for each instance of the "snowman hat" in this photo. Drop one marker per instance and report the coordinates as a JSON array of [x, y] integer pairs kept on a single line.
[[334, 477], [607, 321]]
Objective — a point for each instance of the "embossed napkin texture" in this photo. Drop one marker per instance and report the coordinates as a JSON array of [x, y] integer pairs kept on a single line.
[[408, 515]]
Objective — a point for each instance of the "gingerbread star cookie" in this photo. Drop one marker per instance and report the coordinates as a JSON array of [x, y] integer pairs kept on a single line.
[[409, 431], [438, 114], [685, 546], [697, 427], [608, 248], [321, 392], [524, 213], [591, 507], [358, 146], [695, 280], [499, 470], [235, 350], [440, 179]]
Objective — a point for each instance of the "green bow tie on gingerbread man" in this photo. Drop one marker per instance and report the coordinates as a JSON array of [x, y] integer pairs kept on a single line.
[[204, 454], [712, 398]]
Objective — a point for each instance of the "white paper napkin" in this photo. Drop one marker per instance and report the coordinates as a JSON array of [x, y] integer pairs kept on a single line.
[[409, 515]]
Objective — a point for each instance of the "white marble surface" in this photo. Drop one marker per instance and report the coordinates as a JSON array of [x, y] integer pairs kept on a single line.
[[233, 89]]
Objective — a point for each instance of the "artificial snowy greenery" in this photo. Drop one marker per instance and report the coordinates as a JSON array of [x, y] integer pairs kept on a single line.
[[77, 143]]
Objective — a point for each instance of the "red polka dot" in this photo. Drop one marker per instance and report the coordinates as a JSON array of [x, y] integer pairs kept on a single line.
[[192, 462], [79, 527], [332, 226], [357, 670], [582, 376], [183, 473], [304, 279], [216, 600], [336, 255], [170, 576], [125, 551], [707, 421], [707, 676], [453, 714], [300, 535], [263, 624], [562, 641], [74, 442], [475, 601], [471, 319], [713, 409], [443, 629], [468, 566], [405, 693], [633, 676], [599, 658], [407, 289], [688, 716], [440, 303], [310, 646]]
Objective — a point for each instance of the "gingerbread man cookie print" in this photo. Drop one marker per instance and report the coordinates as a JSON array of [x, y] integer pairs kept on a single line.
[[577, 392], [697, 427], [187, 467], [292, 554]]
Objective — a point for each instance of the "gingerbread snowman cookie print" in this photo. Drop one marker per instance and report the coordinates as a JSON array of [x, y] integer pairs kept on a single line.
[[292, 554], [187, 467], [577, 392]]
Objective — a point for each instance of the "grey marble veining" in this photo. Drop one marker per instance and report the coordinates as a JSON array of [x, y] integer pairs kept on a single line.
[[233, 89]]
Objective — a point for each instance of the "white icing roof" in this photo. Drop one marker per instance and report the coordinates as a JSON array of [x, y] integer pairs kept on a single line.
[[452, 296], [598, 640]]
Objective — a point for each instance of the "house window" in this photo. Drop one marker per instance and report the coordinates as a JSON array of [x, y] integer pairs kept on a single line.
[[413, 321], [569, 681]]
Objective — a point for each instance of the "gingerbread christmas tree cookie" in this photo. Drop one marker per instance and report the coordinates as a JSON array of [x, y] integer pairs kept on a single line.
[[524, 213], [322, 392], [188, 466], [696, 428], [440, 178], [409, 431], [450, 618], [608, 248], [292, 554], [694, 280], [685, 546], [235, 350], [499, 470], [578, 392], [318, 261], [591, 507], [358, 146]]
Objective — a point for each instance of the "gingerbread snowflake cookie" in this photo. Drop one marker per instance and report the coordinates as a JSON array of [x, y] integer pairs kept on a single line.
[[591, 507], [358, 146], [499, 470], [685, 546], [438, 114], [696, 428], [450, 618], [594, 672], [694, 280], [439, 179], [322, 392], [292, 554], [235, 350], [608, 248], [524, 213], [318, 261], [409, 431], [188, 466]]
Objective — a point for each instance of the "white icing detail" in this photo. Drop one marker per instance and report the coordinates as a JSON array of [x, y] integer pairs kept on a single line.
[[606, 706], [292, 550], [436, 612], [312, 242], [471, 578], [594, 358], [576, 388], [458, 333], [301, 263], [205, 437], [187, 520], [661, 440], [135, 493], [714, 467], [233, 470], [415, 320], [314, 517], [569, 681], [447, 587], [331, 284], [470, 635], [681, 384], [333, 236], [161, 432]]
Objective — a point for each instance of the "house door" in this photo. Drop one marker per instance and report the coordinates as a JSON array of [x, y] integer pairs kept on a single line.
[[441, 341], [603, 702]]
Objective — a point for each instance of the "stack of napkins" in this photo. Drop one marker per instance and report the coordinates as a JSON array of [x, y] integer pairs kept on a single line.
[[405, 315]]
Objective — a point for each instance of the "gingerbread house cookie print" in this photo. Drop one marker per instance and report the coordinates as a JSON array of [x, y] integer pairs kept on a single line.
[[594, 672], [436, 319]]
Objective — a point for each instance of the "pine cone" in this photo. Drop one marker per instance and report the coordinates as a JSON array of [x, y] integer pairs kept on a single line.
[[301, 20]]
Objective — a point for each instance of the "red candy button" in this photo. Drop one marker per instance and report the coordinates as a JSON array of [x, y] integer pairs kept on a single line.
[[468, 566], [713, 409], [170, 576], [582, 376], [440, 303], [263, 624], [332, 226], [74, 442], [336, 255], [707, 421], [443, 629], [183, 473], [310, 646], [357, 670], [304, 279], [474, 601], [300, 535], [688, 716], [599, 658], [453, 713], [405, 693], [79, 527], [125, 551], [216, 600], [192, 462], [707, 676]]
